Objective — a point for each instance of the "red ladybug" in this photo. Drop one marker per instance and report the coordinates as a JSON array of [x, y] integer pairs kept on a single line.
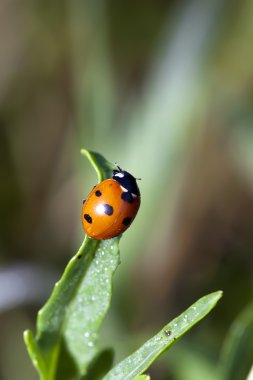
[[111, 206]]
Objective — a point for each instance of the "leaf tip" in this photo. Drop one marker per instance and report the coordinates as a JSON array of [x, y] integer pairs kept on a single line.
[[27, 335], [213, 298], [217, 295], [84, 152], [34, 351]]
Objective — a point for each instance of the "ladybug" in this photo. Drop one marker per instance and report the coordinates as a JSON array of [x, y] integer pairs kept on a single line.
[[111, 206]]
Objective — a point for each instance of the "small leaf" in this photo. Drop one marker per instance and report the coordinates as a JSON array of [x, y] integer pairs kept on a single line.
[[141, 360], [237, 352], [142, 377], [101, 165], [35, 353], [67, 326]]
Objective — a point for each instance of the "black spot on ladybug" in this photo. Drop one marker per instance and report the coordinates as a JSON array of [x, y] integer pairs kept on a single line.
[[108, 209], [127, 197], [98, 193], [126, 221], [84, 200], [88, 218]]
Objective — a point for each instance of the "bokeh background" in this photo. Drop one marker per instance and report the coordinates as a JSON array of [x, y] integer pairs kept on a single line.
[[165, 88]]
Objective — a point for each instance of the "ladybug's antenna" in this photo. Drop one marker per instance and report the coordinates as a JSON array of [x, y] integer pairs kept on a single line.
[[116, 164]]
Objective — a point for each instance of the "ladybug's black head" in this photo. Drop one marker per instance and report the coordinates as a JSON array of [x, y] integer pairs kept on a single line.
[[126, 180]]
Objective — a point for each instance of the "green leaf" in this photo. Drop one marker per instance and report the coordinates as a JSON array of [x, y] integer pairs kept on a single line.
[[142, 377], [237, 352], [34, 352], [67, 326], [101, 165], [140, 360]]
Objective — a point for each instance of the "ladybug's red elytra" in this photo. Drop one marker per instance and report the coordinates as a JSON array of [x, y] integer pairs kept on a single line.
[[111, 206]]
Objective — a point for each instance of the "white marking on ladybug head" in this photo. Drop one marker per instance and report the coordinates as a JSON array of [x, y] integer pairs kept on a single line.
[[134, 195], [120, 175], [123, 188]]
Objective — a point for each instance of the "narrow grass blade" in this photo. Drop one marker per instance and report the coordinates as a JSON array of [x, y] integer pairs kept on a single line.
[[140, 360]]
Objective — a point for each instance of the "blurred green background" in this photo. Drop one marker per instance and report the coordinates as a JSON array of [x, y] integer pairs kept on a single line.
[[165, 88]]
